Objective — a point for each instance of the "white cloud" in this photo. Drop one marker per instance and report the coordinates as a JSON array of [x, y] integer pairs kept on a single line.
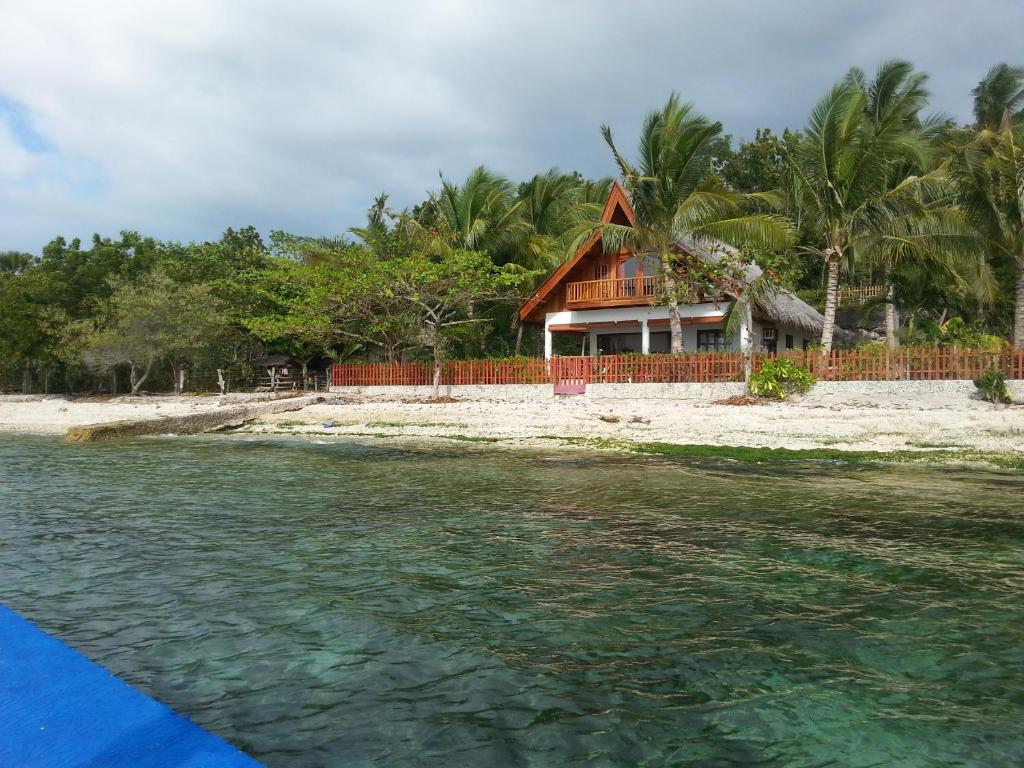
[[16, 162], [181, 118]]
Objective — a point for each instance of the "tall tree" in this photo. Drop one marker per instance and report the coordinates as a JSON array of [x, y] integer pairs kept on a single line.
[[151, 319], [849, 180], [15, 262], [999, 97], [441, 295], [677, 197], [988, 167], [482, 213], [931, 234]]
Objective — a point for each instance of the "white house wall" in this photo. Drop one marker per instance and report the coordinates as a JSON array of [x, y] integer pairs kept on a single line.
[[637, 314], [689, 312]]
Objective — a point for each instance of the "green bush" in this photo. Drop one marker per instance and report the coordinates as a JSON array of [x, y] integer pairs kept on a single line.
[[992, 385], [779, 378]]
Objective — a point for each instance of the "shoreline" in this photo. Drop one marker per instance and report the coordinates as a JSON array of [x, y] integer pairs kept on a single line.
[[1012, 461], [906, 424]]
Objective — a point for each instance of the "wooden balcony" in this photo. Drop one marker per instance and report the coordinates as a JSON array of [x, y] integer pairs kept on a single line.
[[621, 292]]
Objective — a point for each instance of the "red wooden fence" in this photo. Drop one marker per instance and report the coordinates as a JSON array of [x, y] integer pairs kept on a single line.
[[920, 364]]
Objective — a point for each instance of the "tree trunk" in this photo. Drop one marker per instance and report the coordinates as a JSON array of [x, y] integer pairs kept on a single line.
[[831, 296], [519, 340], [178, 377], [892, 319], [26, 380], [1018, 310], [138, 382], [113, 383], [747, 341], [438, 361], [305, 381], [674, 324], [222, 385]]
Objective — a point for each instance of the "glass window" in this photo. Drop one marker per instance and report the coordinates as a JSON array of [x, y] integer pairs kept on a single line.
[[619, 343], [789, 341], [634, 266], [711, 341], [661, 342]]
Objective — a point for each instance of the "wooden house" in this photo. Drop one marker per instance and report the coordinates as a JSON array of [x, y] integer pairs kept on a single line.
[[612, 298]]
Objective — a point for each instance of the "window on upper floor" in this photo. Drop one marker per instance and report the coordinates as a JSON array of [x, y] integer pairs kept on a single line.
[[636, 266]]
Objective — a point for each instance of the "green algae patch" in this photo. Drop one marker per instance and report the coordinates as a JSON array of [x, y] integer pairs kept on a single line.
[[751, 455]]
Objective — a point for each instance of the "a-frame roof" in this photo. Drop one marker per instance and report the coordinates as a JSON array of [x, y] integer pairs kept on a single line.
[[616, 207]]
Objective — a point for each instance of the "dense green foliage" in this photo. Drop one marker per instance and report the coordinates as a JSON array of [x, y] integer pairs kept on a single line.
[[992, 385], [871, 192], [780, 378]]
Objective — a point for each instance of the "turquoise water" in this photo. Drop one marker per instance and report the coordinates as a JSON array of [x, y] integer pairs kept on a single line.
[[343, 605]]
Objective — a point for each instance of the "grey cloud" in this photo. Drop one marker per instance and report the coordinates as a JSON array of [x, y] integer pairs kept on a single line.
[[182, 118]]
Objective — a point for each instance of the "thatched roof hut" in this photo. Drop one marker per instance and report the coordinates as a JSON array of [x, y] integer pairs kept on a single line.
[[780, 306]]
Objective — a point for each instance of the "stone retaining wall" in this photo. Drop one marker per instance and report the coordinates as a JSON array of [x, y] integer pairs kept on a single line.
[[687, 391], [187, 424]]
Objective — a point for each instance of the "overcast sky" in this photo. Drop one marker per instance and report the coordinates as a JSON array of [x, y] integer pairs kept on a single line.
[[181, 118]]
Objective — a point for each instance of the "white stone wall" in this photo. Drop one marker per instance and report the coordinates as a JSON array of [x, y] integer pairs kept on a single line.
[[690, 391]]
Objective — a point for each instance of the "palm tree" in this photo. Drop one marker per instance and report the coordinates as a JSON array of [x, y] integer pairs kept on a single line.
[[15, 262], [556, 208], [932, 234], [482, 213], [854, 178], [676, 196], [999, 97], [757, 294], [988, 168]]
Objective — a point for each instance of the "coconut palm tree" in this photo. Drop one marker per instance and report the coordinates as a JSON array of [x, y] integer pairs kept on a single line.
[[856, 178], [676, 196], [556, 208], [988, 169], [482, 213], [999, 97], [932, 233]]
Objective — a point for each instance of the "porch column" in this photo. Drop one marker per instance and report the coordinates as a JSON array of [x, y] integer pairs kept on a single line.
[[547, 341], [593, 342], [645, 337]]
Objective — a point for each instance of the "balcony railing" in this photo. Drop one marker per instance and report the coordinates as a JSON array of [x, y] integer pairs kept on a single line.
[[622, 290]]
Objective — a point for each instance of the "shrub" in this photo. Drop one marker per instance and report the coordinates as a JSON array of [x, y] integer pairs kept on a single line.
[[992, 385], [779, 378]]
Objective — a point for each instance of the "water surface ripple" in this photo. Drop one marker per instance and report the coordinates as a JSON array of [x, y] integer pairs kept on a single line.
[[344, 605]]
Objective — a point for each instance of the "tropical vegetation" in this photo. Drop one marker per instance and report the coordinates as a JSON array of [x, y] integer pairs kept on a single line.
[[874, 192]]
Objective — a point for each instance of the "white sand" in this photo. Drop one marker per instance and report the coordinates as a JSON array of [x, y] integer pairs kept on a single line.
[[876, 422], [848, 420]]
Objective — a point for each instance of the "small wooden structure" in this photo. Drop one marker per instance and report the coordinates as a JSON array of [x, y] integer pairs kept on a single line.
[[278, 372]]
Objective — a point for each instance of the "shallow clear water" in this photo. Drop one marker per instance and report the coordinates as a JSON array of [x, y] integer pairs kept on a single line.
[[343, 605]]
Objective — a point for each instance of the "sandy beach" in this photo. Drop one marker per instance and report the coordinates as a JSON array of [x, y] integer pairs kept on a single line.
[[917, 419]]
